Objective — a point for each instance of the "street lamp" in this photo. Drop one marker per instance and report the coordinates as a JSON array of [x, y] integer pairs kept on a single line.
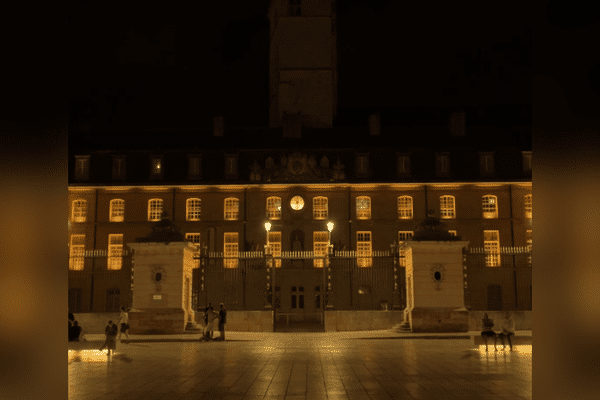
[[327, 273], [270, 279]]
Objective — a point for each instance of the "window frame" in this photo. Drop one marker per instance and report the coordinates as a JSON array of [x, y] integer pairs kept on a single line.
[[528, 206], [79, 210], [228, 204], [320, 247], [113, 213], [363, 214], [274, 240], [487, 211], [403, 207], [273, 212], [193, 212], [115, 252], [364, 249], [230, 248], [444, 207], [77, 252], [320, 207], [152, 211], [491, 244]]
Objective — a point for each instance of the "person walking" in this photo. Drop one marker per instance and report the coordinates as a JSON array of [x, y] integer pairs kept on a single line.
[[75, 332], [213, 319], [111, 337], [487, 331], [222, 322], [123, 324], [508, 330]]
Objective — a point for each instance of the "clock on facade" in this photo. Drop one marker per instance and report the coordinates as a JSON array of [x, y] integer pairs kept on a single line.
[[297, 203]]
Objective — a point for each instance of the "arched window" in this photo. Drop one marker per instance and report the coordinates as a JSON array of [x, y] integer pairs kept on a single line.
[[489, 206], [274, 207], [405, 207], [192, 209], [320, 207], [155, 208], [79, 210], [528, 206], [363, 207], [232, 209], [117, 210], [447, 210]]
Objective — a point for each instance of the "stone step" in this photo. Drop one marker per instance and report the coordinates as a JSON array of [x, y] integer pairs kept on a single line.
[[404, 327]]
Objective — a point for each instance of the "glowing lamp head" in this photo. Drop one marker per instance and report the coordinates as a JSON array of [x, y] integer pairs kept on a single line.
[[268, 226], [330, 226]]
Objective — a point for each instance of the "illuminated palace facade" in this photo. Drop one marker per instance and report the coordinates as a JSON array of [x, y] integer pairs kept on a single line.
[[221, 197]]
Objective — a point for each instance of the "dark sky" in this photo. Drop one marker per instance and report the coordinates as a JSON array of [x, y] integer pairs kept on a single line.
[[172, 66]]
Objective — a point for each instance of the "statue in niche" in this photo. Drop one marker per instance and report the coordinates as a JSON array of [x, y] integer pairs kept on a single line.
[[270, 163], [324, 162], [297, 240], [338, 170], [255, 172]]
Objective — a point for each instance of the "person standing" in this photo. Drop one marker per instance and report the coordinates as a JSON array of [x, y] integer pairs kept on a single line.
[[213, 318], [508, 330], [487, 331], [124, 324], [111, 337], [222, 321], [75, 332]]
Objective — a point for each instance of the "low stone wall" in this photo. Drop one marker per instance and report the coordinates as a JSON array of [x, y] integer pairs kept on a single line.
[[428, 319], [245, 321], [337, 321], [158, 321], [522, 319], [95, 323]]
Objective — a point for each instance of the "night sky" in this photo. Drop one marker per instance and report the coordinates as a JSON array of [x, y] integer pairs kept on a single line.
[[176, 67]]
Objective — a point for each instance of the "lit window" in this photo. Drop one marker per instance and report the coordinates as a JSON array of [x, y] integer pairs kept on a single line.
[[275, 247], [320, 243], [363, 207], [529, 241], [231, 250], [155, 208], [405, 207], [490, 206], [232, 209], [195, 239], [79, 210], [157, 166], [117, 210], [403, 236], [192, 209], [274, 207], [447, 210], [364, 250], [528, 206], [453, 233], [491, 242], [77, 251], [320, 207], [115, 252]]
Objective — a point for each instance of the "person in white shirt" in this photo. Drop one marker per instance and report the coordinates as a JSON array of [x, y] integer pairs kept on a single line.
[[123, 324], [508, 330]]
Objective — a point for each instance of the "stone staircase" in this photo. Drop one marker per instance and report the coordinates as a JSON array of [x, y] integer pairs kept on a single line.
[[193, 327], [402, 328]]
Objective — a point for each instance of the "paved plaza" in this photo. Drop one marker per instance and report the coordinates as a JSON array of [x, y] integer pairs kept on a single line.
[[344, 365]]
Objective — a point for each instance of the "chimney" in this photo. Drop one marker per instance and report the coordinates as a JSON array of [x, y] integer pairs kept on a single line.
[[456, 123], [218, 126], [374, 124], [291, 125]]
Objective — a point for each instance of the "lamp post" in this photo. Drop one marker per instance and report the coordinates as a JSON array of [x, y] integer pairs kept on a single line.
[[327, 269], [270, 289]]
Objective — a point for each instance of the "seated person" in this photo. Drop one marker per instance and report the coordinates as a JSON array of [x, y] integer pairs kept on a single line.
[[75, 332], [508, 330], [487, 331]]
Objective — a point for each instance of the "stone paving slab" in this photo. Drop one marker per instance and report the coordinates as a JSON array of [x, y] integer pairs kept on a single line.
[[302, 366]]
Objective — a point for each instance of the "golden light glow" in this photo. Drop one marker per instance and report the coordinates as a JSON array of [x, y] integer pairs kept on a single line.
[[330, 226], [268, 226]]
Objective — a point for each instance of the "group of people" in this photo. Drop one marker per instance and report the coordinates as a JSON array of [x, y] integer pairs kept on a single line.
[[508, 331], [212, 319], [112, 330]]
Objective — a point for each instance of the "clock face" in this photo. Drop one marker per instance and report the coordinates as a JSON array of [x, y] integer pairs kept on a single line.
[[297, 203]]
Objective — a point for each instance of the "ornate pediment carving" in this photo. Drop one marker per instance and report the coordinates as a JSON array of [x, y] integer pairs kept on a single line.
[[297, 167]]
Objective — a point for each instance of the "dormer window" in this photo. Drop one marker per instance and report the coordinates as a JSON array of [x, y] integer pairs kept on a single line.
[[231, 168], [486, 163], [82, 168], [194, 166], [403, 164], [157, 167], [362, 165], [443, 164], [118, 170]]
